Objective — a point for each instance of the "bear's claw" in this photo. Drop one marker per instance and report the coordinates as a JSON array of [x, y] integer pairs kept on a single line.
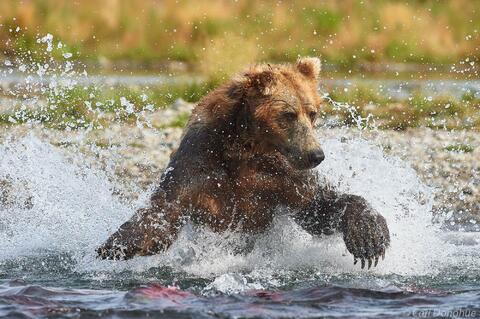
[[115, 252], [367, 237]]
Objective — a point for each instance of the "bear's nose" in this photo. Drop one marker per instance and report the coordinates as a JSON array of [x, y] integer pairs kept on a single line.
[[316, 157]]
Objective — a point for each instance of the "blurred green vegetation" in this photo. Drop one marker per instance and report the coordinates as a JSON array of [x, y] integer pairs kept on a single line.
[[441, 112], [82, 107], [91, 106], [217, 38], [460, 148], [230, 34]]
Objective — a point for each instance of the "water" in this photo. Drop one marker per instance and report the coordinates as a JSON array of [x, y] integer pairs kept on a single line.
[[58, 205], [62, 209]]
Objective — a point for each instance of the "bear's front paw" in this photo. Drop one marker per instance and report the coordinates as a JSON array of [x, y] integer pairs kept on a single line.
[[366, 236], [112, 252]]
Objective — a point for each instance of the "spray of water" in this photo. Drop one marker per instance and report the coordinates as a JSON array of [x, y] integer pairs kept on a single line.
[[56, 203], [52, 202], [58, 92], [362, 123]]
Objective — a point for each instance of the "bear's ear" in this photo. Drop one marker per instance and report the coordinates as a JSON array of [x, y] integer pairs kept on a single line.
[[262, 81], [309, 67]]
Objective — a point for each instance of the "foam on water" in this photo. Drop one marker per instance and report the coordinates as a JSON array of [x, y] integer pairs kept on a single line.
[[58, 204]]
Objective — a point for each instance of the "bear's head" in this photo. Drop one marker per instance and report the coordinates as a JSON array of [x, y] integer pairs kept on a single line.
[[282, 103]]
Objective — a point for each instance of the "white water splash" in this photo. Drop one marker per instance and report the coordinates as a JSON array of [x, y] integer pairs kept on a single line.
[[60, 205], [357, 167], [394, 189], [48, 39], [51, 202]]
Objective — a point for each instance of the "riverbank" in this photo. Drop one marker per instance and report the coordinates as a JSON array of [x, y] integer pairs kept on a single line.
[[95, 101]]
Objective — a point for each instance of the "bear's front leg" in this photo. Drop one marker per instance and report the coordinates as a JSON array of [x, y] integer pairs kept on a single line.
[[365, 231], [150, 231]]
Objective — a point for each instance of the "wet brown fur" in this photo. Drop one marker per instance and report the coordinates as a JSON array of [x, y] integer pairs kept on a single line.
[[246, 150]]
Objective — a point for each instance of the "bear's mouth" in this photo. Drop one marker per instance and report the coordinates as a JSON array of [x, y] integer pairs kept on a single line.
[[302, 160]]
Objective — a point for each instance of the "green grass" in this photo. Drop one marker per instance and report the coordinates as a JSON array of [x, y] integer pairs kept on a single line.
[[460, 148], [180, 121], [82, 107], [442, 112]]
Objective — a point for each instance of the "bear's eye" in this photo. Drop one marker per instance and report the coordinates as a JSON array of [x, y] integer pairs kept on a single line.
[[312, 115], [289, 116]]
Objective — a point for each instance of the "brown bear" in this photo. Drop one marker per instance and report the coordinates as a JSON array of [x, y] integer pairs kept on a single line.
[[249, 147]]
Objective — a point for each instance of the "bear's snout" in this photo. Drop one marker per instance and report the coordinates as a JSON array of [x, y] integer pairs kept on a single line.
[[316, 157]]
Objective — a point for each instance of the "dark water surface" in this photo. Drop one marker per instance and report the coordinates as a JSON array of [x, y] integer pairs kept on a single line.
[[34, 287]]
